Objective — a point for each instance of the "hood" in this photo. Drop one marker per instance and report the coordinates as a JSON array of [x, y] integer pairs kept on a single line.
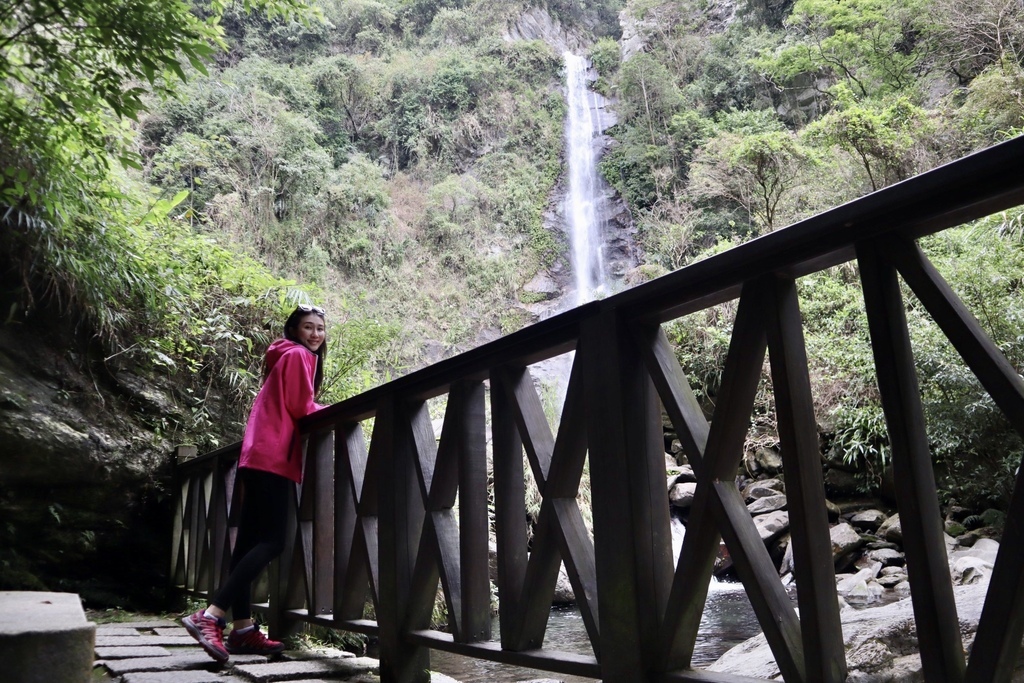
[[278, 349]]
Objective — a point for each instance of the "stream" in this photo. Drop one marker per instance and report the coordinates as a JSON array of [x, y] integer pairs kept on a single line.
[[728, 620]]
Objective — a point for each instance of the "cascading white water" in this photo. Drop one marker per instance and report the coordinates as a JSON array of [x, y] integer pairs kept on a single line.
[[581, 203]]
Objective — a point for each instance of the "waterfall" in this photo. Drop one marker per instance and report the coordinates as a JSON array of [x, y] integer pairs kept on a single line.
[[582, 127]]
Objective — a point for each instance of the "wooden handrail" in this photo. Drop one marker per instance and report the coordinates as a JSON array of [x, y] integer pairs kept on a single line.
[[378, 523]]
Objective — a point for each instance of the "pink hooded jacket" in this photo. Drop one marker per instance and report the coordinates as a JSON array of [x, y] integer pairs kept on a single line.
[[272, 442]]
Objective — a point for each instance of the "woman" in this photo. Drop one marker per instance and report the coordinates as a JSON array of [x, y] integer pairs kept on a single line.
[[270, 462]]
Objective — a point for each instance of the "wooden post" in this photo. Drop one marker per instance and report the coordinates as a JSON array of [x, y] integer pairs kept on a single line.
[[630, 503], [401, 522], [178, 558], [820, 627], [320, 464], [938, 631], [509, 507], [473, 525], [352, 563]]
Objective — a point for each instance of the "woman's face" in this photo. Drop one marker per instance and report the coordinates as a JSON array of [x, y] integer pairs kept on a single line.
[[311, 331]]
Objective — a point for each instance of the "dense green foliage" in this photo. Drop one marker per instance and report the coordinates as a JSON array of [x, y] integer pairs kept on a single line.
[[728, 131], [398, 153], [397, 157]]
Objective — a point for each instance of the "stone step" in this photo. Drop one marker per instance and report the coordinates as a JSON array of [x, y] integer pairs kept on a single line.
[[45, 638], [344, 668], [173, 677]]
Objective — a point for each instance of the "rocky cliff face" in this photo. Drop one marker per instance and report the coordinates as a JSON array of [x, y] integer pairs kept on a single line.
[[84, 470]]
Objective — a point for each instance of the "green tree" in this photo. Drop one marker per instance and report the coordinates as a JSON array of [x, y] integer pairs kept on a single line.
[[72, 74], [604, 55], [349, 97], [871, 45], [752, 162], [71, 69], [993, 108], [881, 137], [975, 35], [754, 171], [649, 95]]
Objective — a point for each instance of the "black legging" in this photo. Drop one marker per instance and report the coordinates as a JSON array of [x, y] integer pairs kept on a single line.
[[261, 535]]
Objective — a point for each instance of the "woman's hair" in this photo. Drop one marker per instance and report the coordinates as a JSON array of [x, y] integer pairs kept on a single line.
[[291, 326]]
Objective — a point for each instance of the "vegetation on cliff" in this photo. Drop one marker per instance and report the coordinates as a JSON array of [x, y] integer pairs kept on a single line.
[[175, 175], [738, 119]]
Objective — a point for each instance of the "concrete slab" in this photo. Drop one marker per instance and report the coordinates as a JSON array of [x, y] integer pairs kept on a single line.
[[104, 630], [138, 641], [146, 623], [297, 670], [33, 626], [171, 631], [180, 662], [320, 653], [126, 652], [173, 677]]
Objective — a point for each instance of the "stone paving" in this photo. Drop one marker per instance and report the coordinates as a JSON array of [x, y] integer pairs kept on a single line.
[[161, 651]]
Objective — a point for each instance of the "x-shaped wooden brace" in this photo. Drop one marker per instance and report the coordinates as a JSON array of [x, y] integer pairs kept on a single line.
[[1002, 620], [768, 315], [453, 550], [355, 526], [560, 532]]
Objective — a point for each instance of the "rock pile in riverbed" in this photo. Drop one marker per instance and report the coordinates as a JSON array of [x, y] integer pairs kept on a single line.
[[866, 540]]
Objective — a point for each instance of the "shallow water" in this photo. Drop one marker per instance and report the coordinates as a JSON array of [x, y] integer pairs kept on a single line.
[[728, 620]]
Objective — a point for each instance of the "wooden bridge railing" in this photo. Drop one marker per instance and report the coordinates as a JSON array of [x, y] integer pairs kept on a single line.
[[382, 523]]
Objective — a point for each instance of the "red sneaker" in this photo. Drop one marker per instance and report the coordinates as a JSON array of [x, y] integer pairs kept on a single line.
[[209, 632], [253, 642]]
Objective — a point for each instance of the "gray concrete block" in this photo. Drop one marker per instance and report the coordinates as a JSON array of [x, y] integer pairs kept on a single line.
[[126, 652], [36, 627], [146, 623], [179, 662], [173, 677], [107, 630], [171, 631], [297, 670], [138, 641], [320, 653]]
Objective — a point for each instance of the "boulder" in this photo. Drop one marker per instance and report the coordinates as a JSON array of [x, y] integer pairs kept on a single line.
[[861, 587], [762, 506], [770, 526], [891, 530], [887, 557], [763, 488], [782, 553], [686, 474], [845, 540], [564, 594], [542, 287], [762, 461], [681, 495], [864, 562], [973, 564], [834, 511], [881, 642], [891, 580], [868, 520], [840, 483]]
